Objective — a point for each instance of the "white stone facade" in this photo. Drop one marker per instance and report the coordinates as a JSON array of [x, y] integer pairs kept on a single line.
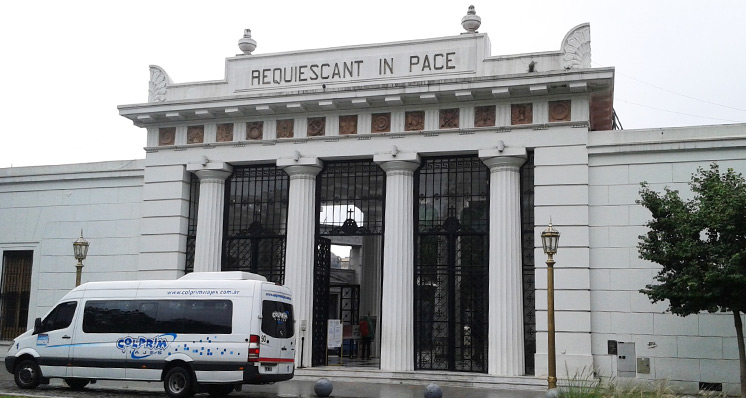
[[586, 179]]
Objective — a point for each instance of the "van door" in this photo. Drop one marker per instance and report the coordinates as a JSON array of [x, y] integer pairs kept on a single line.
[[54, 339], [99, 349], [277, 340]]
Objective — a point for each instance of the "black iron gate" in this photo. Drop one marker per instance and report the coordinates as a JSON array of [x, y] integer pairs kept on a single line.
[[527, 243], [16, 287], [451, 265], [321, 271], [349, 304], [255, 221]]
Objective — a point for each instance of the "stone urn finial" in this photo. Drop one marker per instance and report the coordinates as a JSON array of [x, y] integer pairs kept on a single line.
[[471, 21], [246, 43]]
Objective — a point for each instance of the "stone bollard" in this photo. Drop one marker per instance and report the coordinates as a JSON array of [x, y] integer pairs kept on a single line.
[[433, 391], [323, 387]]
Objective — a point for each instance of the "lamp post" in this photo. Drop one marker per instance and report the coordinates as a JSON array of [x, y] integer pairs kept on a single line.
[[550, 240], [80, 248]]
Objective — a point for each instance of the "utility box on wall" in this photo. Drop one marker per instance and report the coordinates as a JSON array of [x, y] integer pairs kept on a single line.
[[626, 360]]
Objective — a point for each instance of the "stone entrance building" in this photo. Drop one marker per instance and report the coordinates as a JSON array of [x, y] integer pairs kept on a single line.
[[436, 162]]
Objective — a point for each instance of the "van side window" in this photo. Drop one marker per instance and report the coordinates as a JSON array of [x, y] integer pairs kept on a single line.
[[60, 317], [158, 316]]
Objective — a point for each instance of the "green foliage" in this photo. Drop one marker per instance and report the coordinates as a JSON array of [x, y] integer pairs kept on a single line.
[[700, 243]]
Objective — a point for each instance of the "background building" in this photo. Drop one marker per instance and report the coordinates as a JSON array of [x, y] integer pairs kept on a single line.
[[436, 162]]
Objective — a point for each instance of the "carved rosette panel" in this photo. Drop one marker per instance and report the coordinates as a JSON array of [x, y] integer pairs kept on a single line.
[[166, 136], [484, 116], [521, 114], [577, 48], [348, 125], [380, 123], [316, 126], [225, 132], [559, 111], [195, 134], [414, 121], [255, 130], [449, 118], [285, 128]]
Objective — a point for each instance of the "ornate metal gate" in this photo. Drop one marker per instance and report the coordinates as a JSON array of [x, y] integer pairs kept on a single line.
[[16, 287], [451, 265], [527, 243], [351, 197], [321, 271], [255, 221]]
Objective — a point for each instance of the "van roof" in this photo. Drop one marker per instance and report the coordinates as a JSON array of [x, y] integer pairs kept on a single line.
[[222, 276]]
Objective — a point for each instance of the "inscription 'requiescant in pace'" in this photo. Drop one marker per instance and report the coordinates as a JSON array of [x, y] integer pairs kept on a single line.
[[354, 69]]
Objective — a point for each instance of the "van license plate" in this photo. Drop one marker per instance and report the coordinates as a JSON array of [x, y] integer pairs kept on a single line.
[[268, 369]]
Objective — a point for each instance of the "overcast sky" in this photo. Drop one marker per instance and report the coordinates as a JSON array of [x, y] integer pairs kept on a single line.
[[66, 65]]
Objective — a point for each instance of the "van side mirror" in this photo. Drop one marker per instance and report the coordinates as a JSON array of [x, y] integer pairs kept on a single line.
[[37, 325]]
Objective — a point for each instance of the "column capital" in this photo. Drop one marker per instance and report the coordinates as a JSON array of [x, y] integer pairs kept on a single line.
[[300, 168], [401, 162], [210, 171], [507, 158]]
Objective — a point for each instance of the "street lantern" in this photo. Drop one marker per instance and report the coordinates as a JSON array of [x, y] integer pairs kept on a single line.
[[550, 241], [80, 249]]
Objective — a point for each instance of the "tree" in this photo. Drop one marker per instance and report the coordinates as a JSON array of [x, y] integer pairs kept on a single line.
[[701, 245]]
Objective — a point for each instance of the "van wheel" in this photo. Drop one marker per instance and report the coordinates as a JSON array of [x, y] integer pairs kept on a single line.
[[77, 384], [219, 390], [178, 383], [27, 374]]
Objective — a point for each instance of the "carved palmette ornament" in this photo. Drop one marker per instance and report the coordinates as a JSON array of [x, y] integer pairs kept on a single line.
[[285, 128], [380, 123], [316, 126], [577, 48], [254, 130], [348, 124], [159, 82], [225, 132]]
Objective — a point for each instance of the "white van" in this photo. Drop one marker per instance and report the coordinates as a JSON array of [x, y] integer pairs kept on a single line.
[[207, 331]]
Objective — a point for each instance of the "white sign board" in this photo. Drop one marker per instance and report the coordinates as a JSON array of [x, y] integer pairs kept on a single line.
[[334, 333]]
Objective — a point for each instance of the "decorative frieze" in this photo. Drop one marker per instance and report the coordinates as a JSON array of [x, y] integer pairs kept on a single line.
[[254, 130], [521, 114], [449, 118], [414, 121], [195, 134], [285, 128], [166, 136], [316, 126], [484, 116], [348, 125], [380, 123], [559, 111], [225, 132]]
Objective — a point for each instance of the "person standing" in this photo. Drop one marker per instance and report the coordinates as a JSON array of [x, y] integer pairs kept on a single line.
[[366, 335]]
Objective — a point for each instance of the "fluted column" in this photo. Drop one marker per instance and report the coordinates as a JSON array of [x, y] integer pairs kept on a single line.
[[397, 318], [370, 286], [300, 247], [208, 249], [506, 354]]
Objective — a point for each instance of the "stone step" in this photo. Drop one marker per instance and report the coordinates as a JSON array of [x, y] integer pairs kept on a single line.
[[450, 379]]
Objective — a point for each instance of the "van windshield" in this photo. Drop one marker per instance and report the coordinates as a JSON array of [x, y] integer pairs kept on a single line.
[[277, 319]]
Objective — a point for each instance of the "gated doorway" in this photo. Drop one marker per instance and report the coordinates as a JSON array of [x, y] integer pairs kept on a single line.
[[255, 221], [351, 197], [14, 296], [451, 264]]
